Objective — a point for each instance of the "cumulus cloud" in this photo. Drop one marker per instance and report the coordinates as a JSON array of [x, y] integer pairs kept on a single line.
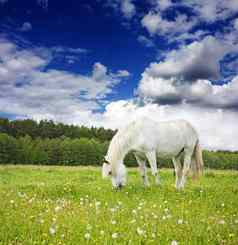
[[222, 133], [156, 24], [125, 7], [188, 61], [128, 8], [184, 77], [236, 24], [26, 26], [213, 10], [145, 41], [28, 88]]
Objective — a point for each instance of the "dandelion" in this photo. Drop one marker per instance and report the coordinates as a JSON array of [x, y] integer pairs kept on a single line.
[[113, 222], [139, 231], [174, 242], [87, 236], [41, 221], [52, 230], [57, 209], [114, 235], [12, 201], [180, 221], [134, 211], [221, 222], [97, 204]]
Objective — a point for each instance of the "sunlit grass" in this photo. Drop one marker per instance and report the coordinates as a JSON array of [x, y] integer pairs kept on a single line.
[[73, 205]]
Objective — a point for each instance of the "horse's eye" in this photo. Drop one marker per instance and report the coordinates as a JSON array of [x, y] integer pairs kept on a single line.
[[110, 172]]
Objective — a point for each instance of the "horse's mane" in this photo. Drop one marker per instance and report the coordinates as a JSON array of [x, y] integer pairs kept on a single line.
[[119, 145]]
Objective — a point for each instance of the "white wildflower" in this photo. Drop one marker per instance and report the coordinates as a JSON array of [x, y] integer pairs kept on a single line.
[[221, 222], [87, 236], [113, 222], [140, 231], [97, 204], [134, 211], [114, 235], [180, 221], [57, 208], [174, 242], [52, 230]]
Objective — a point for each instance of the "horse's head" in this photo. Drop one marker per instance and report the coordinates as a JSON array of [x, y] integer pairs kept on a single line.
[[118, 176]]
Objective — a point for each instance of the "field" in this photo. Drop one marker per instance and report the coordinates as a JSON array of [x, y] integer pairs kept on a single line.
[[73, 205]]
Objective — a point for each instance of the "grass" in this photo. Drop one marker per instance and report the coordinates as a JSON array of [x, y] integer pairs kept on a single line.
[[73, 205]]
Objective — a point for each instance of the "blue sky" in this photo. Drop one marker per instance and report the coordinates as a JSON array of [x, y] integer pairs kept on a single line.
[[107, 62]]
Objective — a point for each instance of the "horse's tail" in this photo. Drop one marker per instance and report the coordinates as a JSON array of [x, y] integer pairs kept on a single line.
[[197, 161]]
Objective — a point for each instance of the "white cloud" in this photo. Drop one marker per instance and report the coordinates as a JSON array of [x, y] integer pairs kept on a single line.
[[128, 8], [222, 133], [164, 4], [213, 10], [188, 61], [26, 26], [184, 77], [27, 88], [236, 24], [145, 41], [156, 24]]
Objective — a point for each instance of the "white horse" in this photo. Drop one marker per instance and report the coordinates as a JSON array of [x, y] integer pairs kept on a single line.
[[147, 139]]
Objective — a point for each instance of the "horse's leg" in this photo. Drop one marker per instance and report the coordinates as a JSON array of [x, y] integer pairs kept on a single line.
[[151, 156], [178, 171], [142, 167], [186, 167]]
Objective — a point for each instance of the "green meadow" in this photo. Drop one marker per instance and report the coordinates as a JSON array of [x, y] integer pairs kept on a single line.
[[74, 205]]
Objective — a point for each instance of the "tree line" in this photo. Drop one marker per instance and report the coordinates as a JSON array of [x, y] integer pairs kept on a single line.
[[49, 129], [49, 143]]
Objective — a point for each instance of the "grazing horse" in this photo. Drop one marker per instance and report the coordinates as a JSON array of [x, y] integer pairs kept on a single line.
[[148, 139]]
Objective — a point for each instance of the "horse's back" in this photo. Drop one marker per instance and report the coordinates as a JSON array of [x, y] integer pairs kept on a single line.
[[167, 137]]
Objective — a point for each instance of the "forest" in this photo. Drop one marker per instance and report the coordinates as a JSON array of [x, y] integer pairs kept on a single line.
[[50, 143]]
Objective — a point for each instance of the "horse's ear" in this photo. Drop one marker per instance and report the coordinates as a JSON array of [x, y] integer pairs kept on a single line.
[[106, 170]]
